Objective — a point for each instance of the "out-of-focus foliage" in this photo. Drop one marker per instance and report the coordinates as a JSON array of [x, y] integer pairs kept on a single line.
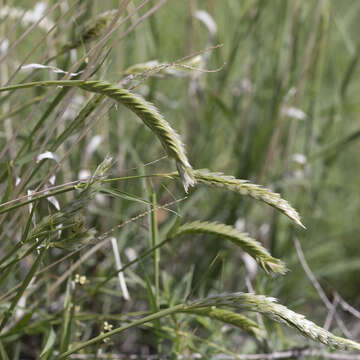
[[265, 91]]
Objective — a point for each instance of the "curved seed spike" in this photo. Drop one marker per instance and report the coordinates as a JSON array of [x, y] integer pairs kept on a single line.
[[243, 187], [230, 317], [146, 111], [280, 313], [154, 120], [249, 245]]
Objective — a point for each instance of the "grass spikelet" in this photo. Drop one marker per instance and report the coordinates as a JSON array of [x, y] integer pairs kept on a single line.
[[243, 187], [269, 307], [249, 245], [154, 120], [230, 317], [89, 188], [156, 68], [92, 31], [143, 109], [70, 216]]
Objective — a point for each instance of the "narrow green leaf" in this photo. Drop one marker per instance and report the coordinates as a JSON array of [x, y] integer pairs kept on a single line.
[[50, 342], [123, 195], [3, 353], [67, 319]]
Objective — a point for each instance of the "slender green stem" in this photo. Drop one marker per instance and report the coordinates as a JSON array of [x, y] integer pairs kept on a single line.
[[43, 83], [71, 188], [155, 242], [3, 353], [165, 175], [152, 317], [64, 333], [33, 199]]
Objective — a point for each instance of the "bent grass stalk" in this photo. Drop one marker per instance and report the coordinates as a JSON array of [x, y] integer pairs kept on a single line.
[[143, 109]]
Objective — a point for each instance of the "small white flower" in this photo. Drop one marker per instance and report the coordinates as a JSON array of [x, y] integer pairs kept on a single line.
[[107, 326], [81, 280]]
